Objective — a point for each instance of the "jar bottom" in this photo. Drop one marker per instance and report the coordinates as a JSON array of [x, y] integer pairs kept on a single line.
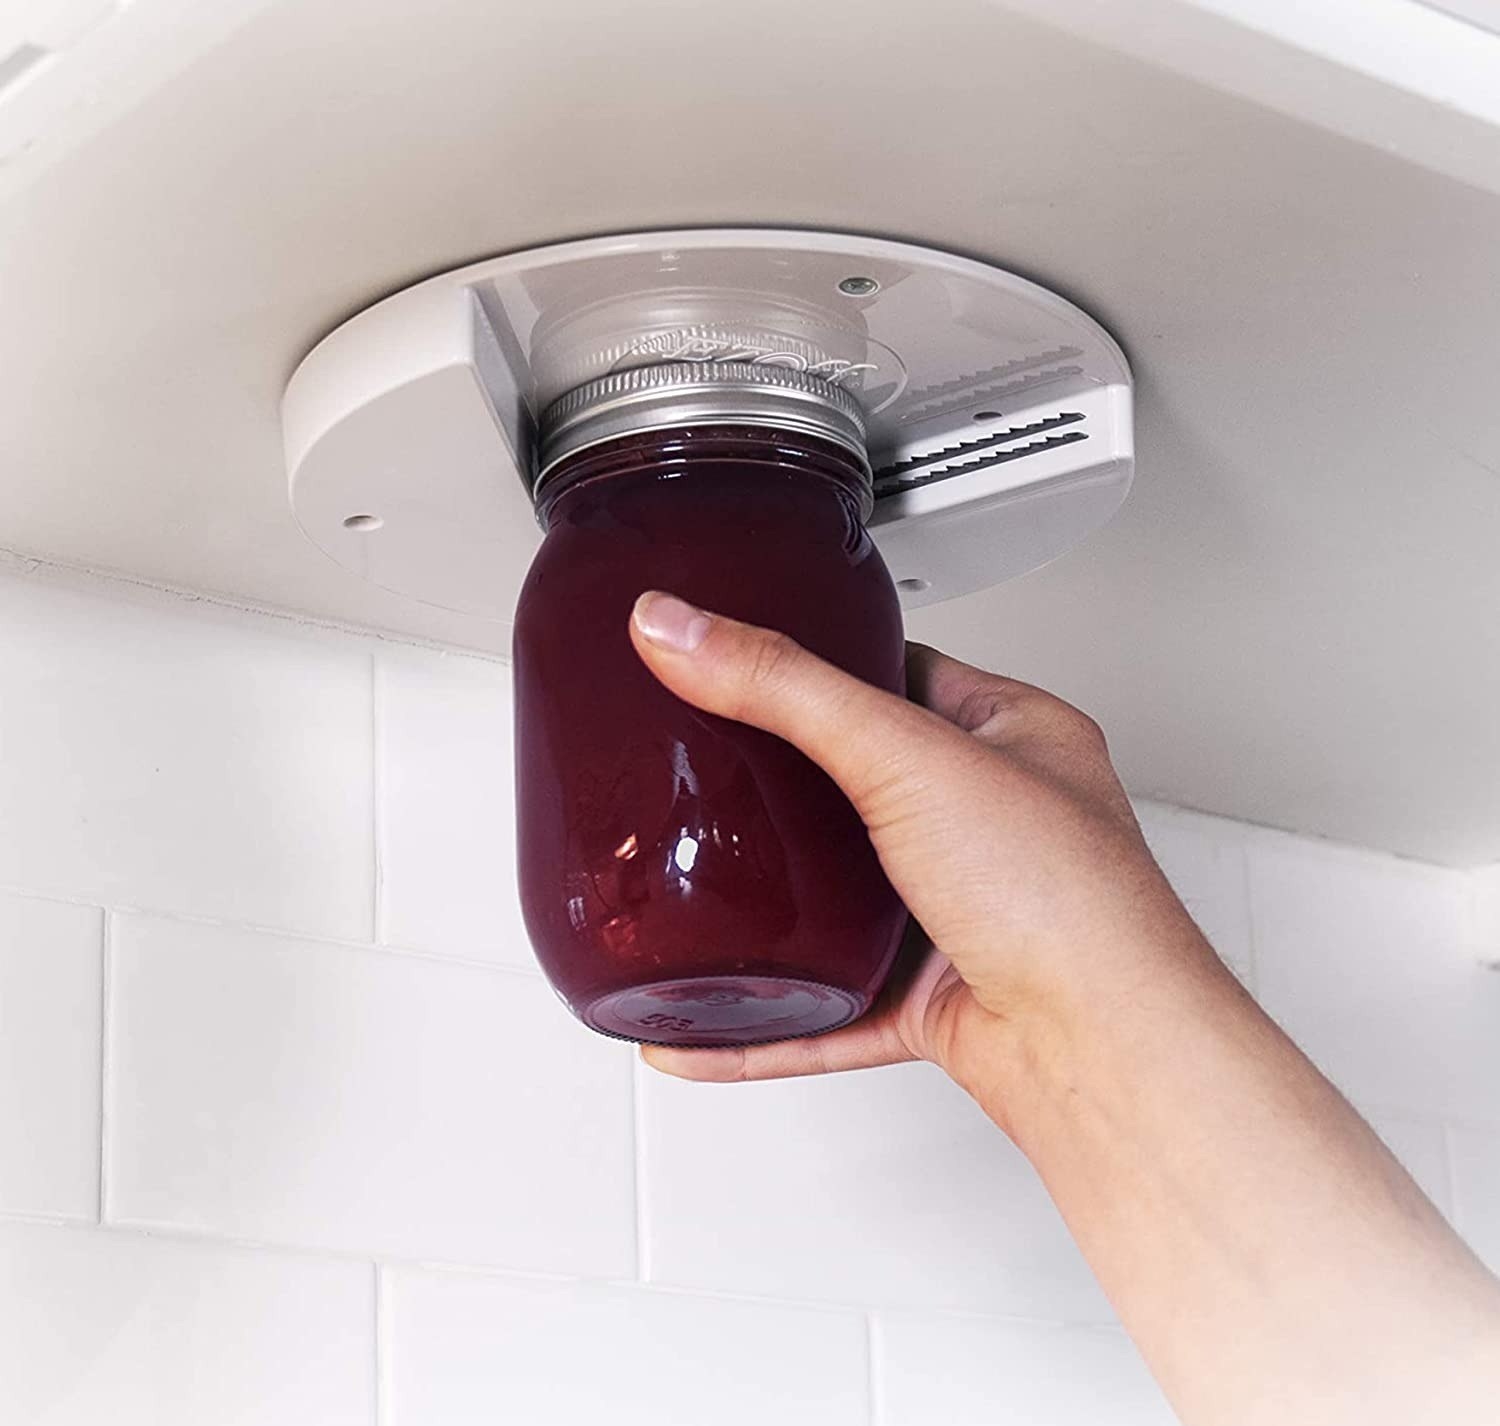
[[717, 1011]]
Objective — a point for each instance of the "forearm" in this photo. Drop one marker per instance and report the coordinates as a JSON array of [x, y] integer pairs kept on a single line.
[[1268, 1255]]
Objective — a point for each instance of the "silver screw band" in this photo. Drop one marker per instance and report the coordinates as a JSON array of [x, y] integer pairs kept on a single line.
[[658, 398]]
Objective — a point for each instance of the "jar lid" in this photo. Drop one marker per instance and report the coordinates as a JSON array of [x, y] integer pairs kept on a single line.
[[659, 398]]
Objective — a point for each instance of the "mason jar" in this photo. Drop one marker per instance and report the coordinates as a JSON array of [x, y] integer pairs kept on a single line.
[[686, 879]]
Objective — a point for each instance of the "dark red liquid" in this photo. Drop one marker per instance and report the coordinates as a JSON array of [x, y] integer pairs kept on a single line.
[[686, 879]]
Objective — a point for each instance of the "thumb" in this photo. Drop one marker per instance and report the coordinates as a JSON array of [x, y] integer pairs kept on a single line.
[[861, 736]]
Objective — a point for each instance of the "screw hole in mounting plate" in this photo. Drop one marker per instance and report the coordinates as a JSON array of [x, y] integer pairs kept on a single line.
[[913, 586], [988, 416], [362, 523]]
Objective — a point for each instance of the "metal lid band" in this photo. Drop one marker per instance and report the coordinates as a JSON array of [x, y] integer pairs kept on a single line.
[[659, 398]]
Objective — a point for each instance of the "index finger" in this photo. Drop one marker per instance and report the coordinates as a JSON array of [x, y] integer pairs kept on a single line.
[[865, 738]]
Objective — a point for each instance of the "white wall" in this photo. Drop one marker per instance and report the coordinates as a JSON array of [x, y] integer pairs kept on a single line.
[[292, 1132]]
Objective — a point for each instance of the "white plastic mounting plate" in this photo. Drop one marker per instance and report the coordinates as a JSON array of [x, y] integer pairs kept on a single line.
[[999, 414]]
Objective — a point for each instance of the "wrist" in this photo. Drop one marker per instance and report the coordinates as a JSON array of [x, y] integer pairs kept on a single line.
[[1047, 1046]]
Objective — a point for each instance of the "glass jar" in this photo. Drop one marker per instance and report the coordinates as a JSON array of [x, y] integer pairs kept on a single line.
[[686, 879]]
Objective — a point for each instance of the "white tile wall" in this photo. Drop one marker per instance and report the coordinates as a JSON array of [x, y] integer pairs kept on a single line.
[[1476, 1188], [1487, 915], [471, 1349], [447, 824], [50, 990], [187, 761], [1421, 1147], [885, 1186], [100, 1327], [294, 1092], [1204, 859], [1366, 961], [337, 1107], [955, 1371]]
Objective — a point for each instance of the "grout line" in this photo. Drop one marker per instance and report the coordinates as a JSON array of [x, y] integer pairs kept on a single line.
[[638, 1141], [286, 933], [874, 1377], [846, 1306], [146, 593], [49, 1218], [1450, 1167], [1419, 1113], [377, 802], [209, 1240], [1472, 934], [1242, 852], [176, 1235], [106, 1040], [61, 898], [384, 1396], [1268, 833], [1484, 916]]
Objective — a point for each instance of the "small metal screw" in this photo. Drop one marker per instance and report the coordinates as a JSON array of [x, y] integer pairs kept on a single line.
[[859, 287]]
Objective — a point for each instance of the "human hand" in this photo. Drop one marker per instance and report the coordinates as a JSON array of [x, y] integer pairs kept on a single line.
[[998, 817], [1260, 1244]]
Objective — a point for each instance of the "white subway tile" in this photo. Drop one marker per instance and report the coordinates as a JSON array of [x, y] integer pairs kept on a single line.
[[1485, 883], [882, 1186], [466, 1348], [1419, 1146], [956, 1371], [1476, 1189], [1204, 859], [1367, 962], [49, 1057], [112, 1327], [447, 815], [187, 762], [303, 1093]]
